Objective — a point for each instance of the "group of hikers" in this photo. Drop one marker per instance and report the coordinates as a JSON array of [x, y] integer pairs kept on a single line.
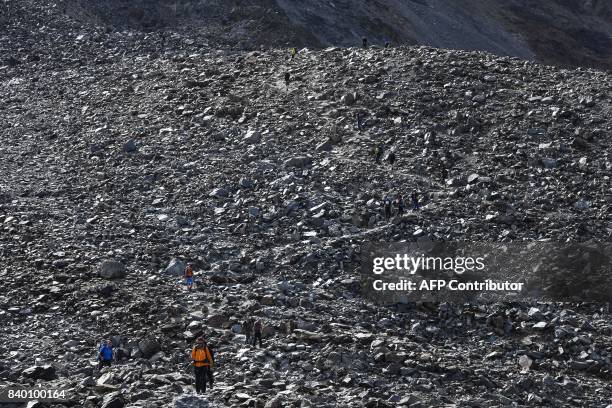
[[252, 330], [293, 51], [202, 356], [397, 203], [202, 360]]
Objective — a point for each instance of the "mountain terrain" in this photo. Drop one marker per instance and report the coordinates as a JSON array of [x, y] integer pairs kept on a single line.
[[132, 145]]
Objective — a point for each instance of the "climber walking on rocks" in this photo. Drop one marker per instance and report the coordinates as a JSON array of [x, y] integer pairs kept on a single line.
[[378, 152], [202, 363], [415, 200], [247, 328], [105, 354], [257, 327], [188, 276], [387, 207]]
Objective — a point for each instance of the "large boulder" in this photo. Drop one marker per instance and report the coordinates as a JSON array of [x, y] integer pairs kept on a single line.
[[217, 320], [113, 400], [46, 372], [148, 347], [175, 267], [252, 137], [298, 161], [130, 146], [191, 401], [112, 269]]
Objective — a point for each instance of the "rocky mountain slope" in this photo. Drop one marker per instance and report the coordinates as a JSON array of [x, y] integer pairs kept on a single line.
[[120, 148], [576, 33]]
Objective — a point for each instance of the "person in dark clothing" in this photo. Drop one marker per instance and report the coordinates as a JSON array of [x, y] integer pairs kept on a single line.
[[202, 363], [364, 42], [359, 124], [378, 152], [387, 207], [105, 354], [247, 327], [210, 372], [391, 159], [415, 200], [399, 203], [287, 79], [257, 327]]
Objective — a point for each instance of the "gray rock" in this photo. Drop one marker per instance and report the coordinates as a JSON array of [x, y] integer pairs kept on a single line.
[[549, 163], [275, 402], [219, 193], [112, 269], [148, 347], [252, 137], [324, 146], [176, 267], [46, 372], [113, 400], [298, 161], [130, 146], [191, 401], [348, 99]]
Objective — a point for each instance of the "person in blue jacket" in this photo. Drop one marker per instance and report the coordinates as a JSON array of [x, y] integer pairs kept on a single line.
[[105, 354]]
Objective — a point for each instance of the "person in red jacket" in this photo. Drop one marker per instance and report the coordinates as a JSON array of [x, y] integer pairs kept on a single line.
[[188, 276]]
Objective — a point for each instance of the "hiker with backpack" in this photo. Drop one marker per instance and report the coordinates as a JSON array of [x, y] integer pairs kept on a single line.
[[415, 200], [188, 276], [247, 328], [105, 354], [378, 152], [202, 364], [364, 42], [209, 372], [391, 159], [359, 122], [387, 206], [257, 327], [399, 204]]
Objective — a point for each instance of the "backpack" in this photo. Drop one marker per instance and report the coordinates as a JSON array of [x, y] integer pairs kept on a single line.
[[188, 272], [257, 326]]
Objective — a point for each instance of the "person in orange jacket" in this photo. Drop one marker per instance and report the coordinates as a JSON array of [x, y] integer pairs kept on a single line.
[[202, 364]]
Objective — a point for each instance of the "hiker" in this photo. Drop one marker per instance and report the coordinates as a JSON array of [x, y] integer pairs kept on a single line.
[[378, 152], [257, 332], [105, 354], [415, 200], [387, 44], [359, 123], [210, 373], [202, 362], [247, 327], [391, 159], [340, 259], [399, 204], [287, 79], [188, 276], [364, 42], [444, 174], [387, 207], [293, 52]]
